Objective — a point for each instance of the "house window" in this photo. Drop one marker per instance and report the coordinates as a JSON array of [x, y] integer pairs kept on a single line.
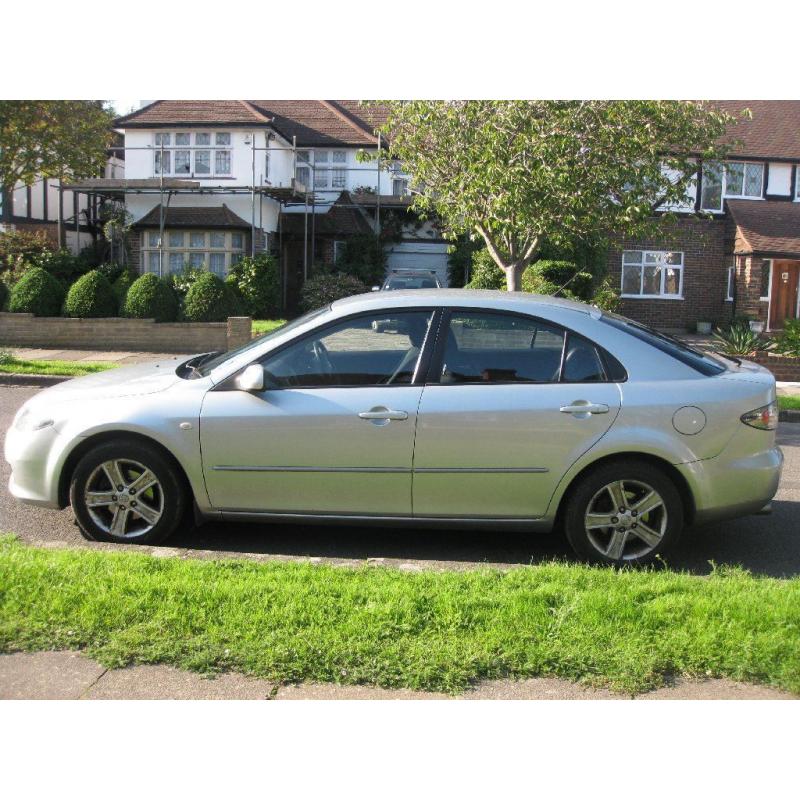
[[652, 273], [182, 158], [766, 274], [215, 251], [733, 179], [302, 171], [731, 284], [338, 249], [399, 187], [325, 168]]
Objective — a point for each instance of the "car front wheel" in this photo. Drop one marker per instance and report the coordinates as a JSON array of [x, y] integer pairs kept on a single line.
[[127, 491], [624, 513]]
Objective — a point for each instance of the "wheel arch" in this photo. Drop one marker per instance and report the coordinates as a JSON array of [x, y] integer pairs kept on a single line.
[[680, 482], [80, 450]]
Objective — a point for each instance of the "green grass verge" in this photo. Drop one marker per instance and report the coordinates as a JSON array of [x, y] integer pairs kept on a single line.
[[266, 325], [428, 630], [790, 402], [71, 368]]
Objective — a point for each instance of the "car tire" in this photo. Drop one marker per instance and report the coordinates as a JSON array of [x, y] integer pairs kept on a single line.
[[150, 506], [623, 513]]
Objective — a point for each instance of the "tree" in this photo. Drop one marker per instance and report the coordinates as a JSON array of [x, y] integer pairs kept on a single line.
[[52, 139], [517, 173]]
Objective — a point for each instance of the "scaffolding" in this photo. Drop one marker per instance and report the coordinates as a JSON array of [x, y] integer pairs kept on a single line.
[[288, 197]]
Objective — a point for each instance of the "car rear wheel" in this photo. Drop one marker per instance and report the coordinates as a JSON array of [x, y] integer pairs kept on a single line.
[[127, 491], [624, 513]]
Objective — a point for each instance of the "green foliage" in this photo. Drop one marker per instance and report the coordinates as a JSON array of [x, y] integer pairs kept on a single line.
[[91, 296], [209, 299], [327, 287], [485, 273], [524, 172], [181, 282], [739, 340], [364, 258], [20, 247], [37, 292], [3, 295], [257, 281], [61, 264], [788, 342], [459, 260], [559, 278], [24, 366], [149, 297], [120, 288], [606, 296]]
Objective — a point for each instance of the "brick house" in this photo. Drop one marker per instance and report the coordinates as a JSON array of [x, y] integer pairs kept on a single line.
[[734, 247]]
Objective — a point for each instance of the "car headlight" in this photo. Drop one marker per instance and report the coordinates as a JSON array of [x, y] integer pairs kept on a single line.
[[27, 421]]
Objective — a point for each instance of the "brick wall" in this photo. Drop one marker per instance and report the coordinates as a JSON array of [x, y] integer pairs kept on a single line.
[[705, 263], [749, 273], [782, 367], [25, 330]]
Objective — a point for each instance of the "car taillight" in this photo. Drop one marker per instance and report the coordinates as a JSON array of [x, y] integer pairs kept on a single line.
[[764, 418]]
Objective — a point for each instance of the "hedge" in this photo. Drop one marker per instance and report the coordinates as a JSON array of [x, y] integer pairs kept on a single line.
[[209, 299], [150, 298], [37, 292], [91, 296]]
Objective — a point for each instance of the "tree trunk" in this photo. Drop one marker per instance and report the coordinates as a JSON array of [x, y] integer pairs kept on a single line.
[[514, 276]]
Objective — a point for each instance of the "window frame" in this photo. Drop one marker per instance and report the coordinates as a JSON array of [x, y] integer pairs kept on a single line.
[[730, 287], [724, 193], [186, 250], [335, 172], [171, 149], [434, 370], [661, 296]]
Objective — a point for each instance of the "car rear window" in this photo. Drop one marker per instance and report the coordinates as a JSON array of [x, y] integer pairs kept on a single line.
[[696, 359]]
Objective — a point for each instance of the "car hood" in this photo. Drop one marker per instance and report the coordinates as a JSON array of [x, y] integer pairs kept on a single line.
[[138, 379]]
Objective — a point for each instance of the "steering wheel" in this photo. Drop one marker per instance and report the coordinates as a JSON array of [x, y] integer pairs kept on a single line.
[[322, 357]]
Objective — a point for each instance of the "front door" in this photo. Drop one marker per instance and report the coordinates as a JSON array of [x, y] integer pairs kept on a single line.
[[785, 283], [333, 433], [514, 403]]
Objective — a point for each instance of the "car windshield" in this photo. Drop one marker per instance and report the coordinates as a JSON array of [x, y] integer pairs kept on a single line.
[[203, 365], [411, 282], [698, 360]]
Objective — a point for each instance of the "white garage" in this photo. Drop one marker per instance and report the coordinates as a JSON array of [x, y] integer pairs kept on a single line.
[[419, 255]]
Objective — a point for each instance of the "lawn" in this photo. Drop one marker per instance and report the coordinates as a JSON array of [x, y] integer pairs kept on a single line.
[[72, 368], [426, 630], [791, 402], [266, 325]]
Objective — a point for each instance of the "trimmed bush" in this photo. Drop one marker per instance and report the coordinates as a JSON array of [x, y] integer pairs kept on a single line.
[[327, 287], [257, 282], [3, 295], [209, 299], [91, 296], [37, 292], [558, 277], [120, 288], [150, 298]]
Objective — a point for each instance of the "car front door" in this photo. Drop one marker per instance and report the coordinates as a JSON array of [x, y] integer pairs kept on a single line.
[[513, 402], [333, 431]]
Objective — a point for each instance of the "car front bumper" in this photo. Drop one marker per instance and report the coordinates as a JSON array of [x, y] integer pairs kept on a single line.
[[30, 454]]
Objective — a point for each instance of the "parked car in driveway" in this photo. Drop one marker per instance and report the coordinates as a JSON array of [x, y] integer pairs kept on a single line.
[[474, 409], [399, 279]]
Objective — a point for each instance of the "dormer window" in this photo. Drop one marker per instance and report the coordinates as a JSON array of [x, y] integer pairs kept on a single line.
[[734, 179], [185, 153]]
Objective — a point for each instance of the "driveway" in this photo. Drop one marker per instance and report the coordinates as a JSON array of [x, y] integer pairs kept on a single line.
[[767, 545]]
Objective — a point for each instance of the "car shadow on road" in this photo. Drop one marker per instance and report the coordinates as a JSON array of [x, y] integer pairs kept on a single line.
[[764, 545]]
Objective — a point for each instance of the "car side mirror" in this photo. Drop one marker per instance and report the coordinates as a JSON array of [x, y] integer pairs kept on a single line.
[[376, 288], [251, 379]]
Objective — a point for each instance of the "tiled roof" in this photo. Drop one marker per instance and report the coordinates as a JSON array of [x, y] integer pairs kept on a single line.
[[315, 123], [193, 217], [773, 132], [340, 220], [764, 227]]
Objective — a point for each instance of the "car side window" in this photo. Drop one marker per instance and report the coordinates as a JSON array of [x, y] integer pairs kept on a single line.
[[582, 361], [380, 348], [482, 347]]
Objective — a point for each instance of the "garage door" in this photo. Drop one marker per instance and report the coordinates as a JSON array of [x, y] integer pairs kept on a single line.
[[419, 255]]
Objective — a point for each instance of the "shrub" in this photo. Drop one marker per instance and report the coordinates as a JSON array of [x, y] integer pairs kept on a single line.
[[363, 256], [739, 340], [565, 278], [257, 282], [209, 299], [37, 292], [18, 247], [327, 287], [91, 296], [485, 273], [788, 342], [61, 264], [606, 296], [120, 288], [180, 282], [150, 298], [3, 295]]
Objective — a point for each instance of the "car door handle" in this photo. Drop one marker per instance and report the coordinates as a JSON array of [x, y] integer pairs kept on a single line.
[[582, 407], [380, 412]]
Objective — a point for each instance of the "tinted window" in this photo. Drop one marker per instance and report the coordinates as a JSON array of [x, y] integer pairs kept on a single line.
[[697, 360], [369, 350], [498, 348], [582, 361]]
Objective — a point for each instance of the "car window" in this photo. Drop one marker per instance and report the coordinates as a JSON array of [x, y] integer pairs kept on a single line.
[[483, 347], [368, 350], [582, 361]]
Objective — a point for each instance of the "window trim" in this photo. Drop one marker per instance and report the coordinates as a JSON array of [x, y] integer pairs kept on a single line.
[[434, 371], [724, 193], [173, 148], [729, 289], [308, 162], [643, 296], [186, 250]]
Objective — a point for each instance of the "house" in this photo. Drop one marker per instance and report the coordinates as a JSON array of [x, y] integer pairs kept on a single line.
[[733, 249], [207, 182]]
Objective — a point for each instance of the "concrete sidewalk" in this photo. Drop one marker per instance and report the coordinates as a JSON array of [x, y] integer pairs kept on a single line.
[[72, 676], [122, 357]]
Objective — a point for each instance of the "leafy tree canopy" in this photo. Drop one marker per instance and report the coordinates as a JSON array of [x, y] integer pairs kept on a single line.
[[50, 138], [517, 173]]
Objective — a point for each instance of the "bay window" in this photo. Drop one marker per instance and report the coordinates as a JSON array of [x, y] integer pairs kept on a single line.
[[735, 179], [652, 273], [216, 251], [181, 158]]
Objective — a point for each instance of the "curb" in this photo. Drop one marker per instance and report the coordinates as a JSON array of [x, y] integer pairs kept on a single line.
[[20, 379], [789, 415]]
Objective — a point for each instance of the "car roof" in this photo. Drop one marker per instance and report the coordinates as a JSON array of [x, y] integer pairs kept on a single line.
[[523, 301]]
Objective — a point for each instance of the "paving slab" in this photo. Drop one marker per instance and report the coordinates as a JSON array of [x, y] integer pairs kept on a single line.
[[109, 356], [47, 676], [335, 691]]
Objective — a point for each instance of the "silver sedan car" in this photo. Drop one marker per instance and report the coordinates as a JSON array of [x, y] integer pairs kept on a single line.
[[470, 409]]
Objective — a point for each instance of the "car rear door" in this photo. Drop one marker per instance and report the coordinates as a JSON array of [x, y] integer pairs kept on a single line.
[[511, 402]]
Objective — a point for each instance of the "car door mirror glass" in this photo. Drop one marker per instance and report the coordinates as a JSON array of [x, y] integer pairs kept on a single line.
[[251, 379]]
